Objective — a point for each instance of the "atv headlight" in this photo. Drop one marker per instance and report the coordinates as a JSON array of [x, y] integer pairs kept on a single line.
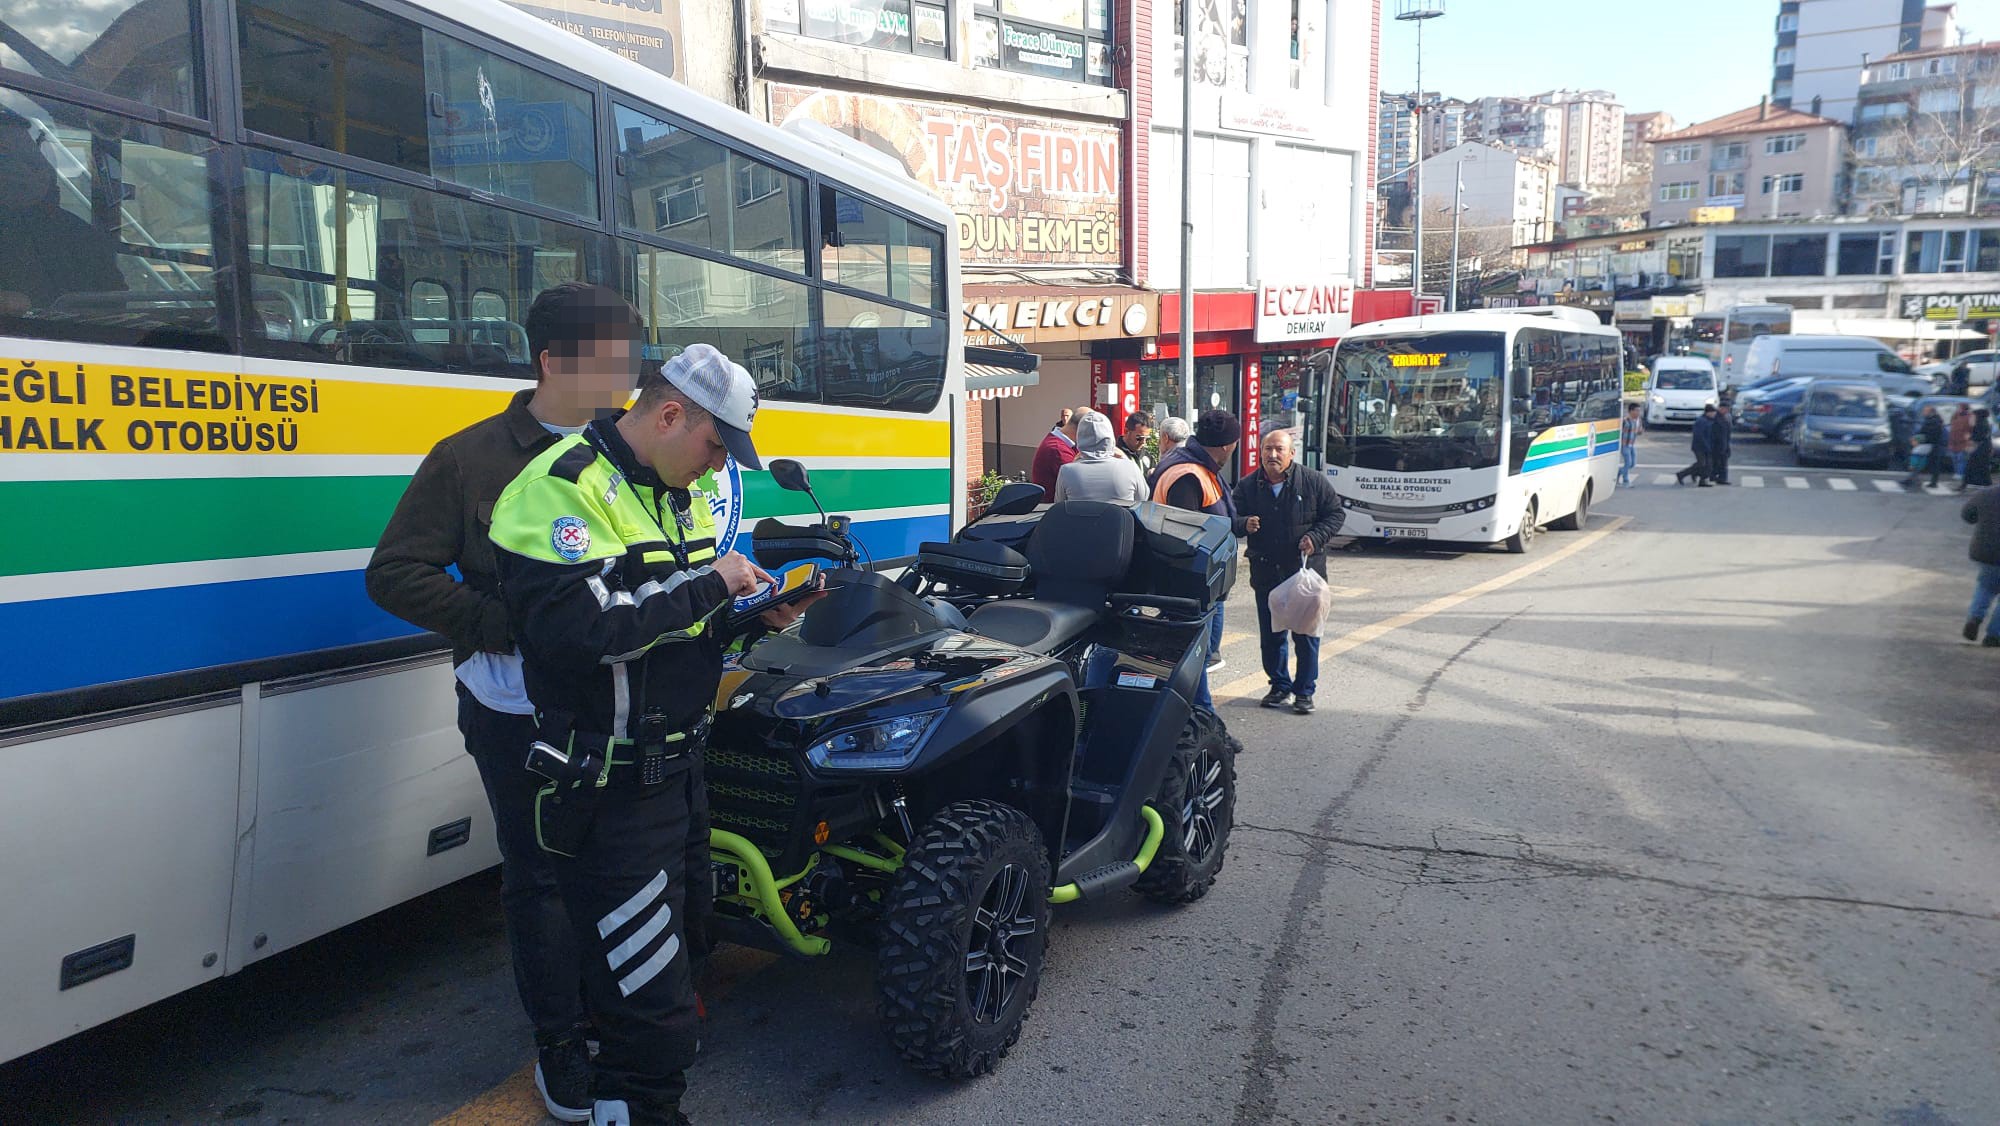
[[887, 744]]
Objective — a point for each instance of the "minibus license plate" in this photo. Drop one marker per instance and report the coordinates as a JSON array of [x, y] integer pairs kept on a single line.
[[1406, 533]]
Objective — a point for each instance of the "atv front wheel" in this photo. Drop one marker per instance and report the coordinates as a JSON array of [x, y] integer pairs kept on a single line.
[[964, 931], [1197, 801]]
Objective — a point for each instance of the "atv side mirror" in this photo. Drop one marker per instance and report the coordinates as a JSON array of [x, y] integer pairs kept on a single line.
[[791, 476], [1016, 499]]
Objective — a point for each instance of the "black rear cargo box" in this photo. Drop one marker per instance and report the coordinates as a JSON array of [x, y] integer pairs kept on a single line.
[[1182, 554]]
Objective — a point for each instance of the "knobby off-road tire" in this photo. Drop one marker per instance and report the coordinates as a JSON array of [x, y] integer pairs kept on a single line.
[[964, 934], [1197, 802]]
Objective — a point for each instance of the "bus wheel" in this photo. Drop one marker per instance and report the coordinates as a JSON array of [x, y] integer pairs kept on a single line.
[[1518, 542], [1575, 521]]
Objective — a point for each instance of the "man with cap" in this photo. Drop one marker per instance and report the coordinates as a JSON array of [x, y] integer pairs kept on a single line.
[[608, 567], [1191, 477]]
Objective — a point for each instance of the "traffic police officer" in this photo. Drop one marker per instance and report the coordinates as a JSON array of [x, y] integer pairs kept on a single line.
[[608, 567]]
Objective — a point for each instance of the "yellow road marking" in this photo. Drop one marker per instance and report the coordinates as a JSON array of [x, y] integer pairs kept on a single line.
[[1347, 643]]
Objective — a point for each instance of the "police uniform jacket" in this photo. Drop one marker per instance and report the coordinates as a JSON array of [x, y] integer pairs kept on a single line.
[[609, 580]]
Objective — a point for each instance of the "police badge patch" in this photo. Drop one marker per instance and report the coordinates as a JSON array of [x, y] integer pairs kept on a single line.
[[571, 537]]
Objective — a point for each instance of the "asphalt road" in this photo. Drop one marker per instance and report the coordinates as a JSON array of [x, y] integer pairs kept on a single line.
[[1688, 818]]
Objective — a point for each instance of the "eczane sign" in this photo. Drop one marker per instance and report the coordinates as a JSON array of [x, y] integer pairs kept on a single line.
[[1304, 310]]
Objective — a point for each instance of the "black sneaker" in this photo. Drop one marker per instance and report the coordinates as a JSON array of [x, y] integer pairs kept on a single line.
[[1303, 705], [1971, 630], [1276, 698], [562, 1075]]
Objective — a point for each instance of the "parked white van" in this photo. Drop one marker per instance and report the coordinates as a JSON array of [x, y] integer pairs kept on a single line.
[[1678, 389], [1795, 354]]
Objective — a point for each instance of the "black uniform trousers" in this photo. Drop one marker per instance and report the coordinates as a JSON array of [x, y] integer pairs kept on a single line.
[[640, 875], [539, 935]]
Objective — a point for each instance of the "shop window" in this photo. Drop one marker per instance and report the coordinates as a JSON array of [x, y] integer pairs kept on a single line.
[[1869, 252], [360, 82], [1798, 256], [104, 229], [1064, 39], [691, 189], [1947, 252], [365, 290], [1742, 256]]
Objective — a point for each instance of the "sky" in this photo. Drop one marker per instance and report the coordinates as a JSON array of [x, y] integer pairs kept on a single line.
[[1696, 59]]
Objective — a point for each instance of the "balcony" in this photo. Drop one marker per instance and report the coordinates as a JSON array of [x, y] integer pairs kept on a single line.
[[1728, 163]]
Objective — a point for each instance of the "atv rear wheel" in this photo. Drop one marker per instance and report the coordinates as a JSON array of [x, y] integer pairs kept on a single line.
[[1197, 801], [964, 932]]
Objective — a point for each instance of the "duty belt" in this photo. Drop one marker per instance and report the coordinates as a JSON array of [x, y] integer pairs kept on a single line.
[[649, 760]]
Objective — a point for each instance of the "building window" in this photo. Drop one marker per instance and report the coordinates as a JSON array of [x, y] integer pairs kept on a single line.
[[682, 201], [1798, 256], [1952, 252], [1784, 56], [886, 25], [1680, 154], [1881, 111], [1731, 155], [1865, 146], [1050, 38], [1781, 92], [1790, 182], [1946, 100], [1784, 143], [1788, 21], [1894, 72], [1870, 252], [1722, 184], [1742, 256], [1676, 192], [1942, 65]]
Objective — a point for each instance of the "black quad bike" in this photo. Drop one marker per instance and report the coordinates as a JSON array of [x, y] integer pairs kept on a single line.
[[926, 765]]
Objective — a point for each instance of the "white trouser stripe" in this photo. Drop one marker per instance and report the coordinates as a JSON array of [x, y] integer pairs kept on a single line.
[[621, 702], [636, 980], [631, 907], [641, 938]]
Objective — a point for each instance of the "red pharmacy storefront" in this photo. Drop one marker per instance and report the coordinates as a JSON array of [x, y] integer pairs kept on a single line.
[[1262, 355]]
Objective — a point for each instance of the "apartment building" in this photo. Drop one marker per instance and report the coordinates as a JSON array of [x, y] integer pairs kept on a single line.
[[1505, 191], [1636, 145], [1762, 162], [1926, 134], [1526, 124], [1823, 44]]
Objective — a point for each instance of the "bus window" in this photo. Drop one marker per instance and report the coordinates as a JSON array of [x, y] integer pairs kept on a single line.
[[489, 305], [876, 355], [748, 315], [874, 249], [1747, 326], [682, 186], [354, 284], [358, 81], [104, 229], [144, 52]]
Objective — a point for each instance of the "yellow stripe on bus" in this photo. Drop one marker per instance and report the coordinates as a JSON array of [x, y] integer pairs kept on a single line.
[[117, 409]]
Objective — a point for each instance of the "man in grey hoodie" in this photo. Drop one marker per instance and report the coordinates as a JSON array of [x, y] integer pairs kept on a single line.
[[1100, 471]]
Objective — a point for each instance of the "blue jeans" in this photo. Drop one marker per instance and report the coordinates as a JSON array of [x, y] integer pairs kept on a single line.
[[1628, 457], [1276, 664], [1958, 464], [1201, 697], [1984, 591]]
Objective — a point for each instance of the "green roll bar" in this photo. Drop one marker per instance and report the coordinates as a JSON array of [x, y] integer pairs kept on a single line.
[[1156, 831]]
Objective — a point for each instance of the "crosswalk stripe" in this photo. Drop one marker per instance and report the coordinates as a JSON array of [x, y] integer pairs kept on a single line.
[[1796, 483], [1887, 486], [1663, 478], [1840, 484], [1752, 481]]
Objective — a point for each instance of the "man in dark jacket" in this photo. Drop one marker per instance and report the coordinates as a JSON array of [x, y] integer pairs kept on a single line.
[[582, 338], [1292, 514], [1983, 511], [1191, 477], [1703, 442], [1718, 446]]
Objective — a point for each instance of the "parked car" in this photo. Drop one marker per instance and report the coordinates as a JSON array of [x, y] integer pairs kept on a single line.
[[1750, 405], [1799, 354], [1679, 388], [1844, 420], [1973, 369], [1770, 412]]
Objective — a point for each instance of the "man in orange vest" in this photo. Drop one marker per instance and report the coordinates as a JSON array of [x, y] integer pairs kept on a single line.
[[1191, 477]]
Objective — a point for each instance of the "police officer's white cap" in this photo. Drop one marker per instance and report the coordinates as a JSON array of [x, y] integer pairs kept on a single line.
[[720, 386]]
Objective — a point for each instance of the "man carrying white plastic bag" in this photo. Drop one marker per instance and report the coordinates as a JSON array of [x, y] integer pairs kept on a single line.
[[1291, 514]]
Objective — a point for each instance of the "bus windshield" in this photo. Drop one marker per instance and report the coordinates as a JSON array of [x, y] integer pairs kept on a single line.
[[1417, 403], [1708, 330], [1748, 324]]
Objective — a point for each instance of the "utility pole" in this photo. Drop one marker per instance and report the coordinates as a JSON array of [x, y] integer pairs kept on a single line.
[[1187, 211], [1457, 208], [1417, 11]]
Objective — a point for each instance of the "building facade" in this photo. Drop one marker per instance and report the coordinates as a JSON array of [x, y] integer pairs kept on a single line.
[[1823, 44], [1395, 133], [1531, 126], [1507, 195], [1761, 162], [1593, 139], [1636, 145], [1926, 134]]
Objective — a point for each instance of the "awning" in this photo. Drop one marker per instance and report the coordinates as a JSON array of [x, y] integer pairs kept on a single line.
[[999, 373]]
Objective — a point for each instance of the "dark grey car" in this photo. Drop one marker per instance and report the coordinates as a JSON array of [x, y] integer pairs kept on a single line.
[[1843, 420]]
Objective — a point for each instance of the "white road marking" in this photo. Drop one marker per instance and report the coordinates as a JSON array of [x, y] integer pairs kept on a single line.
[[1887, 486], [1796, 483], [1752, 481], [1840, 484], [1663, 478]]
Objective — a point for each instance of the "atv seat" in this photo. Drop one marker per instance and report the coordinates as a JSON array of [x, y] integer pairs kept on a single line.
[[1078, 551]]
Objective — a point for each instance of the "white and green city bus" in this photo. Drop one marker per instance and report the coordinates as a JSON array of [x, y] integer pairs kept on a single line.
[[1474, 427], [256, 256]]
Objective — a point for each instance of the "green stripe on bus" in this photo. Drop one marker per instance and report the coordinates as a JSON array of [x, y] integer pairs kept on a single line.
[[1543, 446], [136, 523]]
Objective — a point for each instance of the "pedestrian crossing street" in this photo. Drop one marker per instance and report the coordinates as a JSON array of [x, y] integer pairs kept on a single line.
[[1832, 484]]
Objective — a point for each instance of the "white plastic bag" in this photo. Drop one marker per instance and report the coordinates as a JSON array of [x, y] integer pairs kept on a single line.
[[1300, 604]]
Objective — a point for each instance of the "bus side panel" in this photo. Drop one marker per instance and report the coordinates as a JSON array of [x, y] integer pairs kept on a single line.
[[354, 778], [107, 832]]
